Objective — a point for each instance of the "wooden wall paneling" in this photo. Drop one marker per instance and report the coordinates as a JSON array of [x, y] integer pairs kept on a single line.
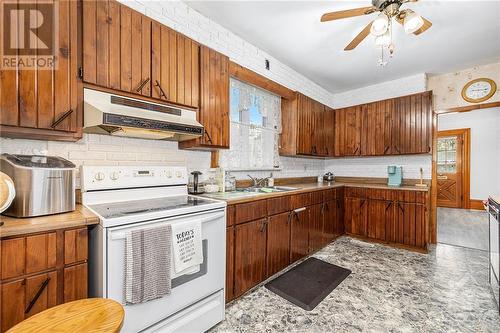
[[299, 234], [278, 242], [75, 287], [229, 264], [40, 252], [250, 255]]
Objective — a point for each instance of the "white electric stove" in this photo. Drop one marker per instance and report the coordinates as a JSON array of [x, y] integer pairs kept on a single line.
[[129, 198]]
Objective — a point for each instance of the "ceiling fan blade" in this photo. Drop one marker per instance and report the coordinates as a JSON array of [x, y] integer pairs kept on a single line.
[[427, 25], [405, 1], [359, 38], [347, 13]]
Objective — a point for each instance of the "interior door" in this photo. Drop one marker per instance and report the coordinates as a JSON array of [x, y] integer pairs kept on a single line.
[[450, 180]]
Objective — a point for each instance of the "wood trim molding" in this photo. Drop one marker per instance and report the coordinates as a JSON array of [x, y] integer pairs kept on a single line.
[[476, 204], [434, 191], [244, 74], [469, 108]]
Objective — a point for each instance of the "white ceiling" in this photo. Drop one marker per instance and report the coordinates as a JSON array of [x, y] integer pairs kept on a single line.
[[464, 34]]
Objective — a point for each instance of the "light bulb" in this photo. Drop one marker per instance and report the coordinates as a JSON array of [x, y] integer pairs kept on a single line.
[[412, 22], [379, 25]]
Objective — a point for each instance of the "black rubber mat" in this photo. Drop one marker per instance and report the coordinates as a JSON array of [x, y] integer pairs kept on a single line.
[[308, 283]]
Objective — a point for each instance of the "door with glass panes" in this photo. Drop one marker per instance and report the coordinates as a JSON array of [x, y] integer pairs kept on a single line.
[[451, 163]]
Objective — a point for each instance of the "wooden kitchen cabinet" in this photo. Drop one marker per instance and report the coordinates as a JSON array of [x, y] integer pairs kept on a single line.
[[175, 67], [299, 234], [408, 225], [348, 128], [329, 132], [229, 264], [278, 242], [249, 255], [333, 224], [40, 271], [412, 124], [116, 47], [44, 103], [377, 128], [380, 216], [214, 101], [316, 237], [355, 216]]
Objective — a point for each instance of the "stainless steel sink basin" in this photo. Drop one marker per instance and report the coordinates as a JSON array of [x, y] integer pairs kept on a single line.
[[266, 189]]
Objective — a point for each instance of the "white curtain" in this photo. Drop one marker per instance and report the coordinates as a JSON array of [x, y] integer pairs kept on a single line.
[[255, 128]]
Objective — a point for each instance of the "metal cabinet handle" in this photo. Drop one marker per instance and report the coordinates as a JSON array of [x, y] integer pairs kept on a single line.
[[401, 207], [386, 149], [263, 226], [357, 148], [61, 118], [142, 84], [289, 218], [37, 295], [162, 92], [362, 203], [298, 210], [389, 204]]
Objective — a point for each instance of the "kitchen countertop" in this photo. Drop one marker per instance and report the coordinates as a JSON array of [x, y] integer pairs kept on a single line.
[[81, 216], [241, 197]]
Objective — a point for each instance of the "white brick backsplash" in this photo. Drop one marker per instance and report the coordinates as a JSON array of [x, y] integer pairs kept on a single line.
[[85, 155], [121, 156]]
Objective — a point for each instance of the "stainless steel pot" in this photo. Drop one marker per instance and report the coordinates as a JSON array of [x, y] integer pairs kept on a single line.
[[44, 184], [329, 177]]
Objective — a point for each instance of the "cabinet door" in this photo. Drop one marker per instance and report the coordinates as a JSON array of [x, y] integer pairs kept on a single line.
[[377, 130], [116, 47], [44, 101], [75, 282], [305, 125], [331, 221], [299, 234], [229, 263], [316, 240], [380, 215], [412, 124], [27, 297], [319, 144], [249, 255], [329, 132], [278, 242], [355, 216], [348, 127], [408, 226]]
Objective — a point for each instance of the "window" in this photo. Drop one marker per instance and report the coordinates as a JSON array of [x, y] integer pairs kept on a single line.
[[447, 155], [255, 127]]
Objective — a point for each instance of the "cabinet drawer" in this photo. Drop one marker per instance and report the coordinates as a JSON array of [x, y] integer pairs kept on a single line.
[[405, 196], [379, 194], [278, 205], [230, 216], [250, 211], [26, 255], [317, 197], [331, 194], [75, 245], [355, 192], [301, 200]]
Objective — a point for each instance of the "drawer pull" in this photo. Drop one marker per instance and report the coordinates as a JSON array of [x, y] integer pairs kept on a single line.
[[298, 210], [37, 296], [61, 118], [162, 92], [142, 84]]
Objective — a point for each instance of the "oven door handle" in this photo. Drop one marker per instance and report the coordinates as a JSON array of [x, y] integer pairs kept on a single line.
[[122, 235]]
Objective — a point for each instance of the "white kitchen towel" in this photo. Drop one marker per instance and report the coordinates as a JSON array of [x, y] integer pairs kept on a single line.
[[147, 264], [186, 244]]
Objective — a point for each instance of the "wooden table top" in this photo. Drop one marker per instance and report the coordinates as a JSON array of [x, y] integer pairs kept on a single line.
[[12, 226], [97, 315]]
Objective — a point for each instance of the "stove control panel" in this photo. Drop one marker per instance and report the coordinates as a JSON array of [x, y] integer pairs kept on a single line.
[[116, 177]]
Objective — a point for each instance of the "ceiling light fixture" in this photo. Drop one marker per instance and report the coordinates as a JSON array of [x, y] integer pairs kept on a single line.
[[379, 25], [412, 22]]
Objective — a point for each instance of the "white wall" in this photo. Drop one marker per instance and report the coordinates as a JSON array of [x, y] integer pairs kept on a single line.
[[377, 166], [485, 147]]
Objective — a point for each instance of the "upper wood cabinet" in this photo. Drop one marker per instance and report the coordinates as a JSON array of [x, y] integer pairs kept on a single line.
[[116, 47], [214, 101], [348, 126], [175, 67], [377, 128], [42, 103], [328, 126]]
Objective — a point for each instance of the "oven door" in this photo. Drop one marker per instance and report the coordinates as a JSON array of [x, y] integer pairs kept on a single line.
[[196, 284]]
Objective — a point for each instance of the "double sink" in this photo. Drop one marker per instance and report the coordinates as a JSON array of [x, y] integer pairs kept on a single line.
[[249, 191]]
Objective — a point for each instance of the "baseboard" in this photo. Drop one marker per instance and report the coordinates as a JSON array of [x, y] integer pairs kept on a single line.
[[476, 204]]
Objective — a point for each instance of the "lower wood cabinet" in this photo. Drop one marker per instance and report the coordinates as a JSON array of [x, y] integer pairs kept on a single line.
[[333, 223], [408, 225], [229, 262], [380, 217], [355, 216], [40, 271], [316, 230], [299, 233], [278, 242], [249, 255]]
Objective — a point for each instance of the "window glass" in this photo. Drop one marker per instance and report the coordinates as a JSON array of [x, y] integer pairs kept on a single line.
[[447, 154]]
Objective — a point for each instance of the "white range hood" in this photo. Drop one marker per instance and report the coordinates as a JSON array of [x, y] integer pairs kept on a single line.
[[123, 116]]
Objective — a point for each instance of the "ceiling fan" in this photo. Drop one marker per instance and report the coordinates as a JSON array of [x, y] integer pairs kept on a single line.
[[381, 27]]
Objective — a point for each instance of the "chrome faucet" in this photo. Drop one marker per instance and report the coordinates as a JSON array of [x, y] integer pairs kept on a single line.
[[257, 182]]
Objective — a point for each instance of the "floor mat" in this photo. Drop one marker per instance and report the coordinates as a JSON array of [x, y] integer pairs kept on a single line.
[[308, 283]]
